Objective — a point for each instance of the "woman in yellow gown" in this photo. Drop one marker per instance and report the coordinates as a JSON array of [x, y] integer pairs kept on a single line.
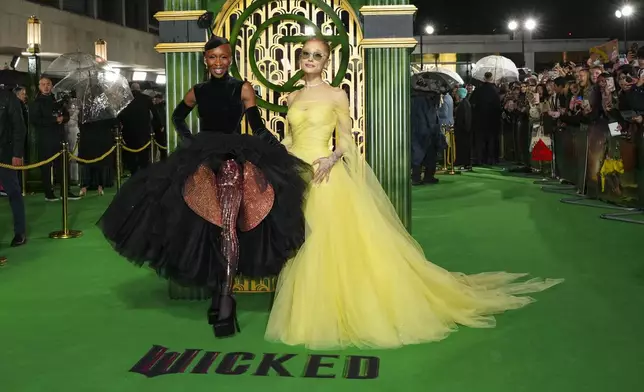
[[360, 279]]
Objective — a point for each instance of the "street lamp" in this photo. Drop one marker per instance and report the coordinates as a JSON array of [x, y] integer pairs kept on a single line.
[[33, 48], [100, 49], [627, 10], [33, 35], [529, 25], [625, 13], [33, 70], [429, 30]]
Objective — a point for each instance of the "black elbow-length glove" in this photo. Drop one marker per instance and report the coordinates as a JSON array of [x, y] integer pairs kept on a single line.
[[179, 120], [259, 129]]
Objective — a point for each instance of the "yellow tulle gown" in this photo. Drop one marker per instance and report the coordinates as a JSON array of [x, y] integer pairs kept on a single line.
[[360, 279]]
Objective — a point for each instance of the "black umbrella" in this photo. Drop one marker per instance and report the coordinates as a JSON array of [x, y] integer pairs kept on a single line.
[[12, 78], [419, 83], [442, 79]]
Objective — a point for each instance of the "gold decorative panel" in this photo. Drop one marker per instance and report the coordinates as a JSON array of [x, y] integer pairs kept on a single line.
[[276, 29]]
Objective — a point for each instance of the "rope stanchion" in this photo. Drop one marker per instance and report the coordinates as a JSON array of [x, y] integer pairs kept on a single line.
[[23, 169], [135, 150], [33, 165], [449, 155], [119, 157], [65, 233], [95, 160], [152, 154], [160, 146], [122, 147]]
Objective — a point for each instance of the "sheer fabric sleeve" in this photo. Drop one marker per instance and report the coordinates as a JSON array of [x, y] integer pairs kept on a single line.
[[365, 185], [346, 146]]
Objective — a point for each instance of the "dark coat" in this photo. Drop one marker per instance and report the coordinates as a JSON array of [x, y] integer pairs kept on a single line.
[[139, 119], [425, 126], [42, 114], [12, 127], [486, 109]]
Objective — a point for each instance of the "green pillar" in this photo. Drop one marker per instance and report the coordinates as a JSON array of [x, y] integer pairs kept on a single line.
[[183, 60], [388, 40]]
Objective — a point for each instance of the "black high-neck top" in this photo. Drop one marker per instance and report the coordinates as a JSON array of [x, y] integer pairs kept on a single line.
[[219, 104]]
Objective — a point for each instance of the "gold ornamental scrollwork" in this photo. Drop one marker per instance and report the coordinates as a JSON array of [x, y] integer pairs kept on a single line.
[[275, 29]]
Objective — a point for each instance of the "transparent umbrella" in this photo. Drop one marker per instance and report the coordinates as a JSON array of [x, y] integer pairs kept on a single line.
[[76, 61], [501, 68], [101, 94]]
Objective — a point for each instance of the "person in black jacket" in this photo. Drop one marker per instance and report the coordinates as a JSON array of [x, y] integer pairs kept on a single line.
[[426, 137], [138, 119], [48, 118], [486, 121], [21, 93], [463, 130], [12, 149]]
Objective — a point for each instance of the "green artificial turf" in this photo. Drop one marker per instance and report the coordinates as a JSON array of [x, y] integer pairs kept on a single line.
[[74, 316]]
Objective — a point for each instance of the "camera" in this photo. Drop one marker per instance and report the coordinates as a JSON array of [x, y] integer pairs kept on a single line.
[[63, 98]]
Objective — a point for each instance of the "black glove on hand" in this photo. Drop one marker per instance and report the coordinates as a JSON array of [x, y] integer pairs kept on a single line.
[[257, 125], [179, 120]]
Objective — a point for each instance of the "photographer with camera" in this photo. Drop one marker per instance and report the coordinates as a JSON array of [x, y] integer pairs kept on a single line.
[[48, 117]]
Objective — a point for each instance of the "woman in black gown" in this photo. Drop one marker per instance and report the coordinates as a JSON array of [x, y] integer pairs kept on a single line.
[[223, 203]]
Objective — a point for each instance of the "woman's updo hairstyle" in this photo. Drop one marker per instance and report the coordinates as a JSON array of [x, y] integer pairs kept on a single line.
[[215, 42]]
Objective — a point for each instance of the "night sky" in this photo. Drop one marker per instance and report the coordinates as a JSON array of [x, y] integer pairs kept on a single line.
[[556, 18]]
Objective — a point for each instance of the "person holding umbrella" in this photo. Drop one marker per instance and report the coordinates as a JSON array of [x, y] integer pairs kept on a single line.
[[426, 138], [486, 112]]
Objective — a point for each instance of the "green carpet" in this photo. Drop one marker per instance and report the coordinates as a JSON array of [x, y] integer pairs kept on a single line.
[[76, 317]]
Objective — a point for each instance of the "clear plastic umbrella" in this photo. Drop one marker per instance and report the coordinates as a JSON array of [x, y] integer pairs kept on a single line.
[[101, 94], [446, 71], [76, 61], [502, 69]]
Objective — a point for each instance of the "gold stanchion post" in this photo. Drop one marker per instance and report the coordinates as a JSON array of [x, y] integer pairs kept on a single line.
[[65, 233], [119, 159], [23, 173], [452, 149], [151, 147], [446, 152], [449, 155]]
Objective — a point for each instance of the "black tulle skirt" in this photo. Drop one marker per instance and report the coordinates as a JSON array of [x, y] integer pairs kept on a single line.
[[149, 223]]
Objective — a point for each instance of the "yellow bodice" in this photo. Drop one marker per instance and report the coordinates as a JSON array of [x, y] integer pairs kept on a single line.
[[311, 127]]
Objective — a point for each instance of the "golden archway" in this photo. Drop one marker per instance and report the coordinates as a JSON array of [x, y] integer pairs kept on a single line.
[[276, 60]]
